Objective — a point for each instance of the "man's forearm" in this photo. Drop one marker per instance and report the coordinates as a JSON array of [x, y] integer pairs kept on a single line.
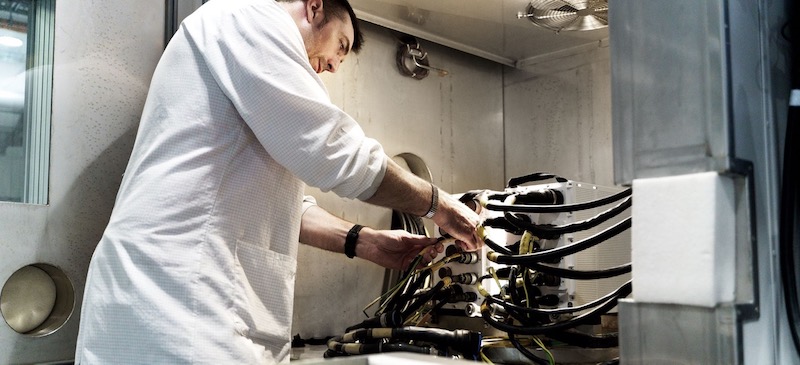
[[403, 191]]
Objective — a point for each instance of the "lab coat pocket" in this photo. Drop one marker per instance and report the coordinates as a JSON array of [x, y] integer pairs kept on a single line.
[[267, 280]]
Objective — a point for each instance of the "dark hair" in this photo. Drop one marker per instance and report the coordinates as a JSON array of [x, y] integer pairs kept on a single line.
[[337, 9]]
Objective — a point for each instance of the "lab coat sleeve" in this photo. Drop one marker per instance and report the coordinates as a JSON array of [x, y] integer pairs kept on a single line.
[[258, 58], [308, 202]]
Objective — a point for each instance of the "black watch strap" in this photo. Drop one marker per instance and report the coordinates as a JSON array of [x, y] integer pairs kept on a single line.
[[351, 240]]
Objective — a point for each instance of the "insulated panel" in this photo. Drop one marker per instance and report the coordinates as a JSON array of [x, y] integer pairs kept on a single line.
[[105, 53]]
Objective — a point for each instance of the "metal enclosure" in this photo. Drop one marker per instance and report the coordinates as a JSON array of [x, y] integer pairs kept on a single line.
[[669, 65], [698, 86]]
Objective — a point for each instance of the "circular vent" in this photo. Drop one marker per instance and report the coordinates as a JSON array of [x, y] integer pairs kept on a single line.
[[558, 15]]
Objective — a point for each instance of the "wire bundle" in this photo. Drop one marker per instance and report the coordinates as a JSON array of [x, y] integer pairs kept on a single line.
[[401, 310], [523, 307], [526, 274]]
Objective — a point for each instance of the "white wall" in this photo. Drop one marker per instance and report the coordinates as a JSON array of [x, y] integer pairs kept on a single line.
[[105, 55], [454, 123], [558, 116]]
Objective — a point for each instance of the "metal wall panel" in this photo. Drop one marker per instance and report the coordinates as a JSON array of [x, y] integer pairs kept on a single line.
[[105, 54], [557, 116], [669, 77]]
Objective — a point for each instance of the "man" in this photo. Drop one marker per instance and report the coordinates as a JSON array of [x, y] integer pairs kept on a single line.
[[198, 260]]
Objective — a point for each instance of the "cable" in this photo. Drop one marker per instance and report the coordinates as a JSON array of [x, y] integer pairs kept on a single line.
[[536, 176], [513, 307], [550, 230], [558, 208], [563, 250], [543, 329], [463, 341], [417, 304], [586, 340], [527, 353], [497, 247], [581, 275]]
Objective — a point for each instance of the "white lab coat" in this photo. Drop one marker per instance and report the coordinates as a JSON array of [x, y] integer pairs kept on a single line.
[[198, 261]]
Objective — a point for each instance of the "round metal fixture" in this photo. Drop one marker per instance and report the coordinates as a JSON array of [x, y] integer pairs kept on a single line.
[[37, 300], [558, 15]]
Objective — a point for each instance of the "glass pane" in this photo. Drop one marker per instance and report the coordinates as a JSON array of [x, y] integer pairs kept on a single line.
[[26, 58]]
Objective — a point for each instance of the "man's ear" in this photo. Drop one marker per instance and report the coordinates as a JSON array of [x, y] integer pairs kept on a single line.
[[314, 13]]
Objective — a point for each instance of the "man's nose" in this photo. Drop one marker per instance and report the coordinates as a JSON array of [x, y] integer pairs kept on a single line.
[[333, 64]]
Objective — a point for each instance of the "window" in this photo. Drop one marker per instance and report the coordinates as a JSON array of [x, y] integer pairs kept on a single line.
[[26, 59]]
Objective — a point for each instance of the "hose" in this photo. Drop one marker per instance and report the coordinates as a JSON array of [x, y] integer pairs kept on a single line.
[[463, 341], [513, 307], [536, 176], [525, 352], [558, 326], [419, 302], [586, 340], [522, 208], [550, 230], [581, 275], [563, 250]]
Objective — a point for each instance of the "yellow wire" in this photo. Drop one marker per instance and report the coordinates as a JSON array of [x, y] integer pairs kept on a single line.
[[485, 358], [544, 348], [491, 272]]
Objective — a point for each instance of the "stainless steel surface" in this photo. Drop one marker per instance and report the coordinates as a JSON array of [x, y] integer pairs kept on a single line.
[[488, 29], [669, 69], [565, 15], [700, 86], [662, 334], [105, 53], [568, 355], [27, 298], [37, 300]]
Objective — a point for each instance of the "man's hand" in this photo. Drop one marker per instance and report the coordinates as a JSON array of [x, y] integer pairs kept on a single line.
[[395, 249], [459, 221]]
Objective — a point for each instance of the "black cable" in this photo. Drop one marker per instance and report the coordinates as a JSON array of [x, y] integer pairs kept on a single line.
[[579, 274], [550, 230], [502, 223], [522, 208], [511, 288], [337, 347], [586, 340], [525, 352], [557, 326], [400, 301], [562, 251], [513, 307], [497, 247], [463, 341], [419, 302], [536, 176], [388, 319]]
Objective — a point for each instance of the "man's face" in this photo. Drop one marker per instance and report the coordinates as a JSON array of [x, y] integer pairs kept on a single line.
[[330, 43]]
